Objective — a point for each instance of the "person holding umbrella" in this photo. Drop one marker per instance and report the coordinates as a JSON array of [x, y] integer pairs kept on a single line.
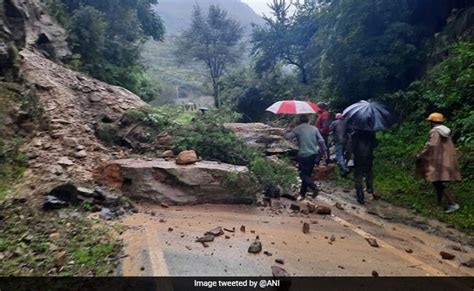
[[437, 162], [310, 142], [363, 120]]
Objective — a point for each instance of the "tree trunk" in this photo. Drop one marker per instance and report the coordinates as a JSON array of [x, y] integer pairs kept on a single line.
[[215, 94]]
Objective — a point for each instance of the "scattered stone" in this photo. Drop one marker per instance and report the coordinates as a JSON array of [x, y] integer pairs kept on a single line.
[[167, 154], [230, 229], [204, 244], [86, 192], [372, 242], [255, 247], [332, 238], [189, 248], [170, 229], [279, 272], [52, 202], [81, 154], [295, 207], [252, 231], [311, 208], [375, 274], [242, 228], [164, 205], [186, 158], [305, 227], [280, 261], [142, 268], [227, 237], [341, 267], [314, 222], [64, 161], [446, 255], [458, 249], [162, 220], [153, 213], [110, 198], [54, 235], [339, 206], [267, 253], [60, 259], [205, 238], [216, 231], [409, 251], [469, 263], [106, 213], [323, 210]]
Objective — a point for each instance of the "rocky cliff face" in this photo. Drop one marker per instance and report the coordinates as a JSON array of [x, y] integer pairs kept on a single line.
[[26, 24], [65, 148]]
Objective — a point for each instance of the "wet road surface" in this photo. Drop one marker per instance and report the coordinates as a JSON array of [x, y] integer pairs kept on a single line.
[[161, 242]]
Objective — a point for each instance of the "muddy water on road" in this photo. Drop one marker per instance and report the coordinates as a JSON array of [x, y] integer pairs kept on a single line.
[[161, 242]]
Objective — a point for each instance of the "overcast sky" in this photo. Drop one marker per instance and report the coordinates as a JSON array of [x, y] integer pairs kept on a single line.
[[259, 6]]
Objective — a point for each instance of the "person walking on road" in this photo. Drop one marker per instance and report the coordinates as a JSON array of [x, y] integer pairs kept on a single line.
[[363, 143], [310, 146], [323, 122], [437, 162], [339, 135]]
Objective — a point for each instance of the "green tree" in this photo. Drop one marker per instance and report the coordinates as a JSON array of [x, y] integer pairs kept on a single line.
[[287, 38], [107, 37], [213, 39]]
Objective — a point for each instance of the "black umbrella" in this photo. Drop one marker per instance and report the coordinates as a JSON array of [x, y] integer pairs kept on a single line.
[[371, 116]]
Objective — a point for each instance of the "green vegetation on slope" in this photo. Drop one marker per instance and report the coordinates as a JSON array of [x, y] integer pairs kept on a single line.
[[37, 243], [19, 116]]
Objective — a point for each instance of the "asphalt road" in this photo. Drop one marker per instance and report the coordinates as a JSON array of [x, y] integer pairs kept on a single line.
[[161, 242]]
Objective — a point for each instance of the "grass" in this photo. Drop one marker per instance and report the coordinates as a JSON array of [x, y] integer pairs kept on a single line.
[[32, 240], [400, 188], [394, 170]]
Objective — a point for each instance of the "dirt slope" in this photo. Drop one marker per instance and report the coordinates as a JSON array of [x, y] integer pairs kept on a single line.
[[68, 150]]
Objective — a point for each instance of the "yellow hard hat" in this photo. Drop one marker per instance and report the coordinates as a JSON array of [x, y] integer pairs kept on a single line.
[[436, 117]]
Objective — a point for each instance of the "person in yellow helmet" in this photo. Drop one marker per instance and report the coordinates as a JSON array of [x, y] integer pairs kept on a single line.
[[437, 162]]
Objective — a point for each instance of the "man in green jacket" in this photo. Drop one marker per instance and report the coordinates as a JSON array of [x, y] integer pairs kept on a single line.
[[310, 147]]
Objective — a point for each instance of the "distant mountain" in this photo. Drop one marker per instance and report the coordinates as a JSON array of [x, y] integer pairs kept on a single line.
[[176, 14]]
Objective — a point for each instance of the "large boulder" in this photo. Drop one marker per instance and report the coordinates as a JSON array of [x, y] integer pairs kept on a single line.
[[186, 158], [160, 181]]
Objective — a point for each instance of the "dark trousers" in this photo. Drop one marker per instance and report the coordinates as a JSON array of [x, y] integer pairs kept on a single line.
[[305, 169], [439, 187], [363, 168]]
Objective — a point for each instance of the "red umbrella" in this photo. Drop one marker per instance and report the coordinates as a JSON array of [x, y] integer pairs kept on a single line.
[[294, 107]]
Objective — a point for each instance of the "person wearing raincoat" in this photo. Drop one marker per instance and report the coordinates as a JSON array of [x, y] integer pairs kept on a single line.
[[437, 162]]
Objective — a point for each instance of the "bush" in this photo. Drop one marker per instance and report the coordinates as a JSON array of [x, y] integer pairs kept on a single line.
[[211, 140], [108, 134], [273, 174]]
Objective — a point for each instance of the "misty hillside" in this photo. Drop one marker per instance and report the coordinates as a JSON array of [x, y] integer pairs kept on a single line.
[[176, 14]]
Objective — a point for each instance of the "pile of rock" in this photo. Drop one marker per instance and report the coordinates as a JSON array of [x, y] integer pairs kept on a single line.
[[72, 105], [98, 198]]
